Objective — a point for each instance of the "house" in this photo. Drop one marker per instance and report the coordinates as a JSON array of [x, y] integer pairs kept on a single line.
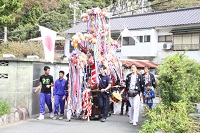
[[159, 34]]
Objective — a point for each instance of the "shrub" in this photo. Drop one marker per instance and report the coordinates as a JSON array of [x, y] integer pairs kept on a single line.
[[179, 82], [170, 119], [4, 107], [22, 49], [179, 79]]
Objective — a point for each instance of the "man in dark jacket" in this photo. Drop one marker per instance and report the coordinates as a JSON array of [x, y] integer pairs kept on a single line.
[[104, 86], [133, 88], [147, 77]]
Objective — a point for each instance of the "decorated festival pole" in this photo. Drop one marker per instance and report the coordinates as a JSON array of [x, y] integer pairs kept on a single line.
[[92, 49]]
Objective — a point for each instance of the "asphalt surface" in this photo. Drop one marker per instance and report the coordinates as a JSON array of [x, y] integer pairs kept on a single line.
[[114, 124]]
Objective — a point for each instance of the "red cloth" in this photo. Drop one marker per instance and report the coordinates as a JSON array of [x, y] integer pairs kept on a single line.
[[87, 104]]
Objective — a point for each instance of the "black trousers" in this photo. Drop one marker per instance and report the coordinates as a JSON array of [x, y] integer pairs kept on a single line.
[[104, 104], [122, 106]]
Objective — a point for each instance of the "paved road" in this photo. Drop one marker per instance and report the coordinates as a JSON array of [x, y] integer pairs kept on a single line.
[[114, 124]]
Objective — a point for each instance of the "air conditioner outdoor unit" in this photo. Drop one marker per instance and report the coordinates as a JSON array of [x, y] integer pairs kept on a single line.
[[167, 45]]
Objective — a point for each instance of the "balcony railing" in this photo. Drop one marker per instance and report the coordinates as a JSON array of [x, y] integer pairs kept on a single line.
[[186, 46]]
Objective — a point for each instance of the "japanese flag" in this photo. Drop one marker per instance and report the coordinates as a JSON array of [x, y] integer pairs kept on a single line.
[[48, 40], [127, 33]]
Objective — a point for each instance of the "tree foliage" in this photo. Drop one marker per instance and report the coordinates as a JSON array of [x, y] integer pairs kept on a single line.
[[8, 9], [47, 5], [179, 82], [54, 21], [173, 119], [179, 79], [32, 15], [24, 15], [24, 32]]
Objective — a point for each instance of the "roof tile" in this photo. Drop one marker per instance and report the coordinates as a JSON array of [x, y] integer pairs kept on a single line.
[[150, 20]]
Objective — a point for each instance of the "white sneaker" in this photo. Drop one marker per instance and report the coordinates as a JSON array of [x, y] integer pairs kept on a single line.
[[61, 117], [134, 124], [131, 122], [41, 117], [51, 115]]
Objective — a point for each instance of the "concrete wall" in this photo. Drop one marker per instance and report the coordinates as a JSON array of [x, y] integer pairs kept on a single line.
[[18, 88], [12, 89]]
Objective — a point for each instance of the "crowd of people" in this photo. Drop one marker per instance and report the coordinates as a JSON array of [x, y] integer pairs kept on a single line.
[[135, 88]]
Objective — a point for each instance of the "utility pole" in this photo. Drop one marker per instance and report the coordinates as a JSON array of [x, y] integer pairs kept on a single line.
[[5, 34], [74, 6], [142, 6]]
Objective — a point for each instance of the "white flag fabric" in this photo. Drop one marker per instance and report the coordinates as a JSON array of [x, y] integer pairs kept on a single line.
[[48, 40], [127, 33]]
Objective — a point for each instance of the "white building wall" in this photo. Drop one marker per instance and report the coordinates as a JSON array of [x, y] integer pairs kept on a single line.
[[154, 41], [163, 54], [67, 43], [141, 49]]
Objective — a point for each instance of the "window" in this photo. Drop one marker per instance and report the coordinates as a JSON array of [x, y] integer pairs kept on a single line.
[[161, 38], [147, 38], [128, 41], [186, 41], [165, 38], [168, 38], [140, 38]]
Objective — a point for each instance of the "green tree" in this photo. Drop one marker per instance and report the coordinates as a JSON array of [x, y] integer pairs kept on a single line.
[[8, 9], [179, 79], [179, 82], [24, 32], [63, 8], [32, 15], [27, 25], [47, 5], [54, 21]]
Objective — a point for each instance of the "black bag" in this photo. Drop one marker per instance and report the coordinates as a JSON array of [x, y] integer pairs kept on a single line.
[[132, 93]]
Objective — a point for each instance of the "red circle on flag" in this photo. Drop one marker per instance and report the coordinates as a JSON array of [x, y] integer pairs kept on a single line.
[[49, 43]]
